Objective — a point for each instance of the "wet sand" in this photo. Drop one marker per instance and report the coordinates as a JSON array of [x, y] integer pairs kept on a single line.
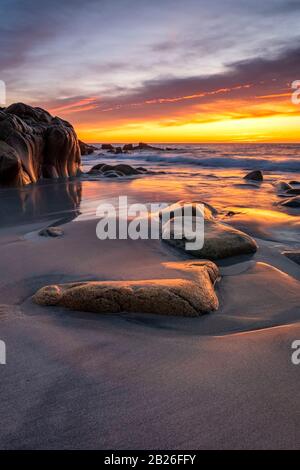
[[79, 380]]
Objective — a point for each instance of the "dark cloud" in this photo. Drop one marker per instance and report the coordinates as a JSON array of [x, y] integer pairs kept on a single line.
[[264, 73], [164, 98]]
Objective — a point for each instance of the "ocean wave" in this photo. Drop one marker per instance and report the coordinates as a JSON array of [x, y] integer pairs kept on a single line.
[[288, 164]]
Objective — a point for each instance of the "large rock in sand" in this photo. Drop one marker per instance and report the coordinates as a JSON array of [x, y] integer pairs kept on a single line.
[[35, 145], [178, 297]]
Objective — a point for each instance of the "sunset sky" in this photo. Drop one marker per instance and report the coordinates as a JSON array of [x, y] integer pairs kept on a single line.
[[159, 70]]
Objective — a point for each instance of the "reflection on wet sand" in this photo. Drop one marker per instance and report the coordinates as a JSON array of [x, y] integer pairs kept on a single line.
[[47, 200]]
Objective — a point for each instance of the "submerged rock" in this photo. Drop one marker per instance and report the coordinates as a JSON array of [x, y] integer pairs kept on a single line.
[[177, 297], [255, 175], [35, 145]]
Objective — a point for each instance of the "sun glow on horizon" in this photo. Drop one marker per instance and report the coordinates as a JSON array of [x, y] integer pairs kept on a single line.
[[282, 128]]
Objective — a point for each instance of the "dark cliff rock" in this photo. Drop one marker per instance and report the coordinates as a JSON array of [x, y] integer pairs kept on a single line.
[[35, 145]]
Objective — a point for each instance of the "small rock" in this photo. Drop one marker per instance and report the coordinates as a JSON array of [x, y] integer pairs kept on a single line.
[[51, 232], [107, 147], [255, 175], [230, 214]]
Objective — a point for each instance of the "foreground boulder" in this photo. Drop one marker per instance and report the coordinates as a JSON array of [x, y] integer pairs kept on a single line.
[[35, 145], [178, 297], [256, 175], [220, 240]]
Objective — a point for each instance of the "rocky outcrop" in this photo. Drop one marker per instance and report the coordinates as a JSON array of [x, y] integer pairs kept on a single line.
[[219, 240], [178, 297], [86, 149], [35, 145], [130, 147], [255, 175]]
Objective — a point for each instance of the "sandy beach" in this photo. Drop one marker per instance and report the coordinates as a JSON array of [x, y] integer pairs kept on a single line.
[[149, 230], [133, 381]]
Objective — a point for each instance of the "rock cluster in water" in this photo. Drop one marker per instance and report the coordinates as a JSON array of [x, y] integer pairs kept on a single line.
[[220, 240]]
